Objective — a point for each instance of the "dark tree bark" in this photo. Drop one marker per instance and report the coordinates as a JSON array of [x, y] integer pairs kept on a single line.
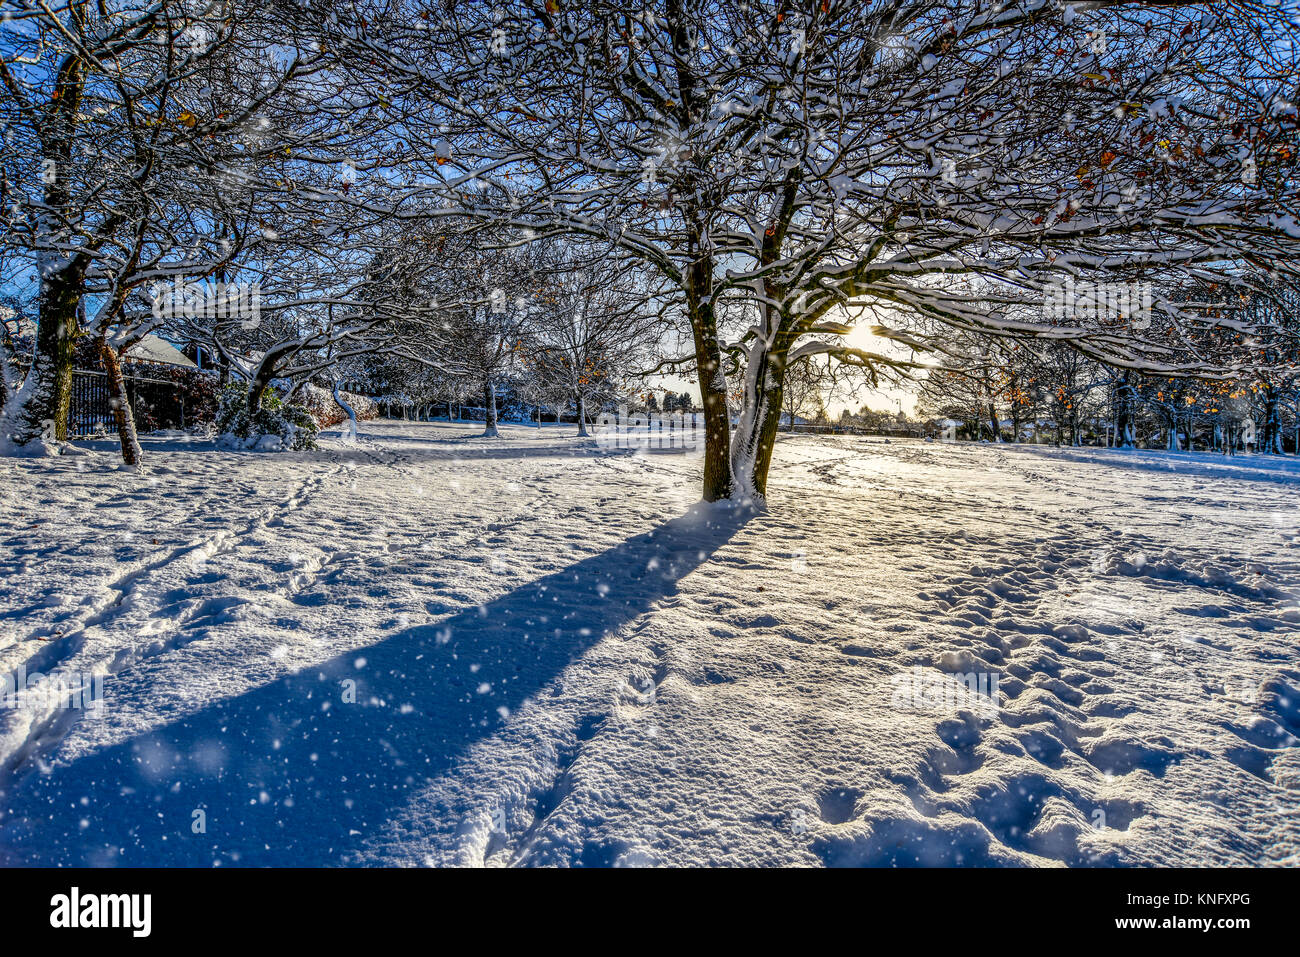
[[713, 382], [123, 415], [490, 409], [1124, 437], [1271, 443], [42, 404], [257, 391], [752, 456], [44, 401]]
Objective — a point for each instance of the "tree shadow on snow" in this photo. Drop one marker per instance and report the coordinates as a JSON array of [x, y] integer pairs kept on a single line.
[[291, 774]]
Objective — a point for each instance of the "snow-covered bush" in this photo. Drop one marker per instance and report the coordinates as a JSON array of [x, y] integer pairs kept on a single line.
[[320, 403], [274, 427]]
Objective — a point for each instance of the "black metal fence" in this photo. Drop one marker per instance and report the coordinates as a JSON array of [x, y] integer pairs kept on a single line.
[[157, 404]]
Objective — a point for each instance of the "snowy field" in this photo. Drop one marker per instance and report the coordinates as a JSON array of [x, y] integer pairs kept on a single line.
[[434, 648]]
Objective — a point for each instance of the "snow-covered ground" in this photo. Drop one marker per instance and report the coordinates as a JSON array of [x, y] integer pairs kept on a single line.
[[434, 648]]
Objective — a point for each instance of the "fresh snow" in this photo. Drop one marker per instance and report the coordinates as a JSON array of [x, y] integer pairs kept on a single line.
[[429, 647]]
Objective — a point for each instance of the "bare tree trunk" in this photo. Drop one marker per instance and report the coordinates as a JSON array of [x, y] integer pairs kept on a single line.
[[40, 407], [257, 387], [1272, 444], [582, 417], [1124, 433], [346, 407], [256, 393], [712, 379], [490, 409], [751, 455], [123, 414]]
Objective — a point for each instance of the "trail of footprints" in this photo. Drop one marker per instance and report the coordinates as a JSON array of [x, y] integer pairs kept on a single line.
[[186, 584], [171, 626], [1056, 708], [1053, 710]]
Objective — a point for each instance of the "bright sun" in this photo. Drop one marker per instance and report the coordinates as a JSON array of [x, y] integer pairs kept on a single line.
[[862, 338]]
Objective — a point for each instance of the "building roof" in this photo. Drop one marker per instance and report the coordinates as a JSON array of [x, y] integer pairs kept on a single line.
[[153, 349]]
